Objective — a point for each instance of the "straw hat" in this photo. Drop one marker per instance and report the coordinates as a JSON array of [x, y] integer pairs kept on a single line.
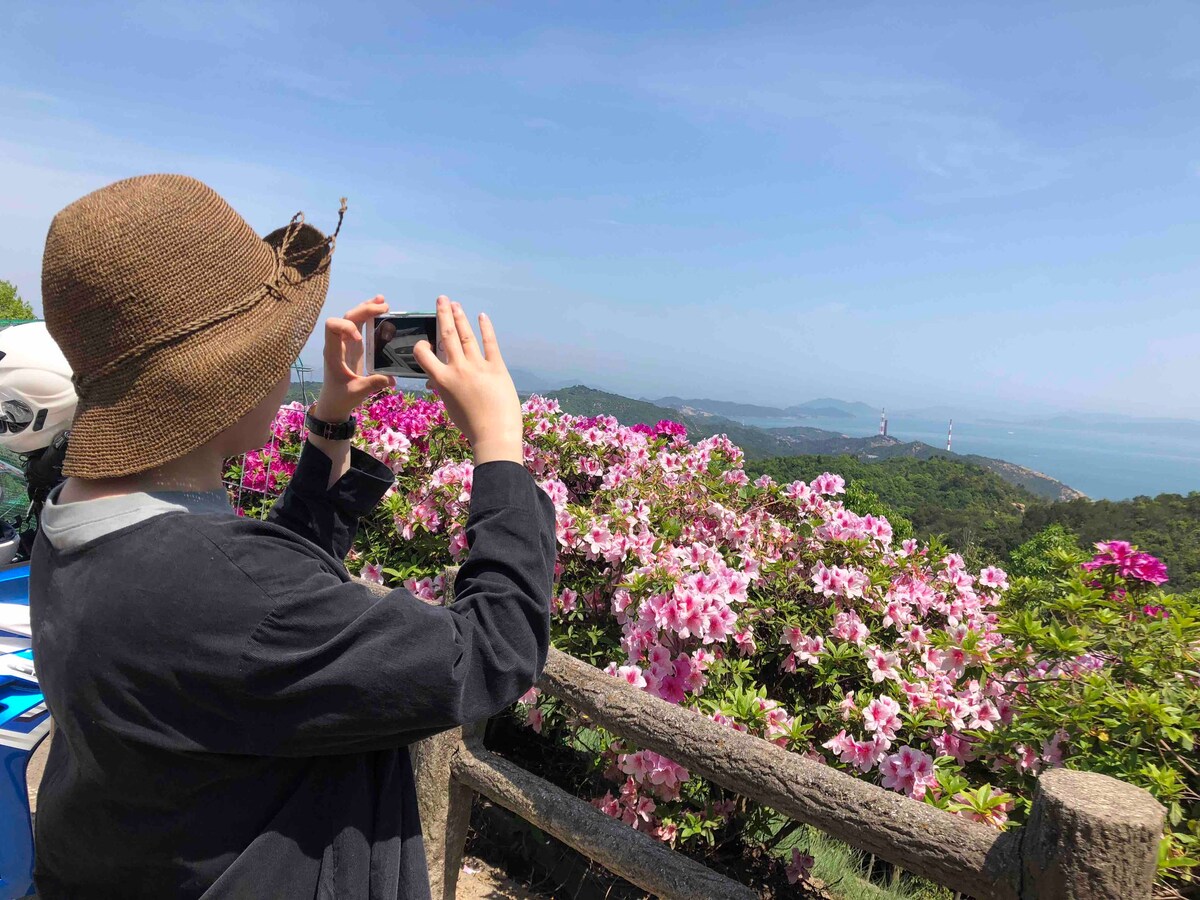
[[177, 319]]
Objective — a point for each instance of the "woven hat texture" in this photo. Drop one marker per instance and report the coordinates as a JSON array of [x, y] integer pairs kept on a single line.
[[177, 319]]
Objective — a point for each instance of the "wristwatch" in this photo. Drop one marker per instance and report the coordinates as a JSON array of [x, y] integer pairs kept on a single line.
[[333, 431]]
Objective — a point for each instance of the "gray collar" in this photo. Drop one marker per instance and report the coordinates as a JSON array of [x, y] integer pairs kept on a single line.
[[69, 526]]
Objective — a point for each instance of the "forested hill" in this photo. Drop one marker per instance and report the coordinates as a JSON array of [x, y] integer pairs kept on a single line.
[[974, 509], [765, 442], [965, 503], [879, 447]]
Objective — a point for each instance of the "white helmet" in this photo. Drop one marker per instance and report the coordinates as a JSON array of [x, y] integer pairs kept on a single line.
[[37, 398]]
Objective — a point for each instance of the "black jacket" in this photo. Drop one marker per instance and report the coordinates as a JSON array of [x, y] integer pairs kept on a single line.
[[233, 712]]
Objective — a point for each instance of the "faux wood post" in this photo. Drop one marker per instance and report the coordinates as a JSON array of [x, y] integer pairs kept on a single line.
[[1089, 837], [445, 810], [445, 805]]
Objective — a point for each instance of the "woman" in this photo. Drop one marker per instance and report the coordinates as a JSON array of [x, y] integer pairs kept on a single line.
[[232, 710]]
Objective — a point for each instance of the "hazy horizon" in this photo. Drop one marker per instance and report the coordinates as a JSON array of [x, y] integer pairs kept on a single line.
[[981, 207], [526, 376]]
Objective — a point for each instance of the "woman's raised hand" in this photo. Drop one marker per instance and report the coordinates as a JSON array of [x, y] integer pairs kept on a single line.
[[474, 384], [345, 385]]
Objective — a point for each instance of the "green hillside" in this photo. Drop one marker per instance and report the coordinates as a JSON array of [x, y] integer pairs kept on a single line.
[[579, 400]]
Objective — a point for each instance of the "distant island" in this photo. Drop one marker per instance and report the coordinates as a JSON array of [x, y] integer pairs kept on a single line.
[[824, 408]]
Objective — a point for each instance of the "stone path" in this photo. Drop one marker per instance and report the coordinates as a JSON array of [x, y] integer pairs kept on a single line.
[[479, 881]]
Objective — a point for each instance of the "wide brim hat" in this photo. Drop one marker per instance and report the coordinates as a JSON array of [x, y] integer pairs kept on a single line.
[[176, 317]]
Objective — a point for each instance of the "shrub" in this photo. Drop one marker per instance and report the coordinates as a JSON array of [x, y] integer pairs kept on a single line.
[[777, 610]]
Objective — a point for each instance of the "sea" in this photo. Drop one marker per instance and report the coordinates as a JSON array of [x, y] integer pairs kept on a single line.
[[1108, 459]]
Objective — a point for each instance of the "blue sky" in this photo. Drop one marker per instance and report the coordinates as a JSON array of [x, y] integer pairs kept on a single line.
[[964, 204]]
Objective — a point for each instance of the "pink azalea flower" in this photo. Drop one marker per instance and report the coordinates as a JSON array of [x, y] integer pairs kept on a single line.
[[800, 868], [609, 805], [994, 578], [882, 715], [632, 674], [883, 665], [566, 600], [1150, 569], [530, 696], [373, 573], [1027, 759], [829, 484], [746, 644], [846, 706], [1052, 752], [909, 771], [986, 715], [950, 744], [847, 626]]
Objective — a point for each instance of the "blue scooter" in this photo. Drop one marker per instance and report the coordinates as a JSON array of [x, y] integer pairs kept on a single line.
[[24, 724]]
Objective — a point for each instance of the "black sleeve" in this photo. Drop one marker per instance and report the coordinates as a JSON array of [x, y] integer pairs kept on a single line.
[[336, 668], [328, 516]]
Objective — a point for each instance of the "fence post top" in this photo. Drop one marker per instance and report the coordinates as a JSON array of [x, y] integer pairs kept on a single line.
[[1102, 797]]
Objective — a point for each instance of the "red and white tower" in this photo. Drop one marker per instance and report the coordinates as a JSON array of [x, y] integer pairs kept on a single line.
[[949, 435]]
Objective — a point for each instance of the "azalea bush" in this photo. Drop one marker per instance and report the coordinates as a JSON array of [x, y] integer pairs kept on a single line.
[[1115, 661], [777, 610]]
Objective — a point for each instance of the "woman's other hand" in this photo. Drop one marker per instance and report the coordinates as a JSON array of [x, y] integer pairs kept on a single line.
[[345, 385], [474, 384]]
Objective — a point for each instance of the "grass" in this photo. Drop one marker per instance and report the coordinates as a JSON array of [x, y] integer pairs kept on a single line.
[[844, 869]]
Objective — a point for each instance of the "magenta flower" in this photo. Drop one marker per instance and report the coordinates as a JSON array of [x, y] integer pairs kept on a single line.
[[1127, 561], [667, 428], [1148, 568]]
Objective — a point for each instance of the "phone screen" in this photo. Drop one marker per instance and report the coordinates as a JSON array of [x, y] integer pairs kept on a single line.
[[395, 336]]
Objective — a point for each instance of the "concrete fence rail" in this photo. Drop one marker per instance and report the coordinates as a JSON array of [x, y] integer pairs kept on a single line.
[[1088, 837]]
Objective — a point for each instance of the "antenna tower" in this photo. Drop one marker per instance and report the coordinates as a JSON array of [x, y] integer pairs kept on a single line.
[[949, 435]]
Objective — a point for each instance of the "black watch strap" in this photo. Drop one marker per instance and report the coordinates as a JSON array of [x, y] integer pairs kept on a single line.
[[333, 431]]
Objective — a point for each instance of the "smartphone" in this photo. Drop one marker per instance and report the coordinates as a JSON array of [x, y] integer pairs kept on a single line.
[[391, 339]]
